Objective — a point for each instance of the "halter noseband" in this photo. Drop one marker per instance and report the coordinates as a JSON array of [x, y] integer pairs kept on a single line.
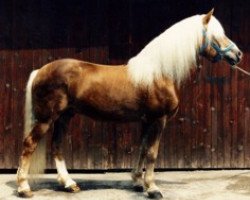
[[220, 52]]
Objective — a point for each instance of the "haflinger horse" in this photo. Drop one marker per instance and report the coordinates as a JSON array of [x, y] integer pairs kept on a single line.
[[143, 90]]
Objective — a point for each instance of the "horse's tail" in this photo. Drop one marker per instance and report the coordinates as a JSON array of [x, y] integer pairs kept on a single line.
[[38, 162], [28, 112]]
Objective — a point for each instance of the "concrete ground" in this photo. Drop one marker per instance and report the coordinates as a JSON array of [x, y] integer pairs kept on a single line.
[[196, 185]]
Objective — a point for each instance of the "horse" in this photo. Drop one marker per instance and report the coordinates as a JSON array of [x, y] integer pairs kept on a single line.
[[143, 90]]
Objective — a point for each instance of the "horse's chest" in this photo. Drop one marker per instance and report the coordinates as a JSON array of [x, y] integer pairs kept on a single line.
[[160, 102], [157, 107]]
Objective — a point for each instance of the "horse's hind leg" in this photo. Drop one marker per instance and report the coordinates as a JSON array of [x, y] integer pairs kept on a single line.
[[29, 146], [60, 127]]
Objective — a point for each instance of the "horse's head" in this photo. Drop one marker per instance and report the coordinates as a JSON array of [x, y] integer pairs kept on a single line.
[[216, 45]]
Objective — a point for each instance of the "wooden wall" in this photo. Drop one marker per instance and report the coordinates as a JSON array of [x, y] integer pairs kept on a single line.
[[212, 128]]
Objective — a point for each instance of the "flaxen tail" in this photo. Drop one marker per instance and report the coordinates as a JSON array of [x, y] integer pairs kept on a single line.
[[28, 112], [38, 162]]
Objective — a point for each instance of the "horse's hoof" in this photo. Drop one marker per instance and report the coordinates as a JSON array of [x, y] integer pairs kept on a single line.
[[73, 188], [155, 195], [138, 188], [25, 194]]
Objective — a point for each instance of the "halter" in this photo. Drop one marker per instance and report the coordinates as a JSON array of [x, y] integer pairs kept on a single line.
[[220, 52]]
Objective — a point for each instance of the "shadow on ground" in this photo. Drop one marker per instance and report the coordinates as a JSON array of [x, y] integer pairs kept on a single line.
[[50, 184]]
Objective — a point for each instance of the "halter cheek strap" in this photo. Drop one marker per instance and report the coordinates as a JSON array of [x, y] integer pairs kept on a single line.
[[220, 52], [206, 42]]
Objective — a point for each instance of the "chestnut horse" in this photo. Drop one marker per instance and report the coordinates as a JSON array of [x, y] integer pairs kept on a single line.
[[142, 90]]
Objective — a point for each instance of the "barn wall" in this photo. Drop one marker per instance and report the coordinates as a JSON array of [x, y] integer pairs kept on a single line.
[[212, 128]]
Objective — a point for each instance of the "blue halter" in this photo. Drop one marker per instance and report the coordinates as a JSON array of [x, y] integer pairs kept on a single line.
[[220, 52]]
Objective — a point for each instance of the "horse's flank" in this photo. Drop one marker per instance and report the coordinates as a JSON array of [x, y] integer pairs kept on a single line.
[[99, 91]]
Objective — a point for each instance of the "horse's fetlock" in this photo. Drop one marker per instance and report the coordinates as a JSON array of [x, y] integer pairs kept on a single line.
[[136, 174]]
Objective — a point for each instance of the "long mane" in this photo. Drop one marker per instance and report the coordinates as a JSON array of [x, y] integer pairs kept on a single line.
[[173, 53]]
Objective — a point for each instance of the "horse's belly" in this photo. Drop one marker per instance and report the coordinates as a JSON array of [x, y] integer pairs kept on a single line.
[[108, 112], [112, 115]]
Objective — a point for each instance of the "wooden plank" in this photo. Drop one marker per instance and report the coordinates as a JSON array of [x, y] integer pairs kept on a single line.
[[224, 99], [77, 141], [107, 143], [214, 118], [2, 114], [227, 99], [170, 143], [8, 135], [240, 121], [187, 125], [195, 118], [22, 66], [183, 139], [247, 118], [5, 38], [127, 145], [135, 143], [85, 161], [233, 120], [9, 139], [247, 137], [207, 130], [222, 79], [200, 106], [199, 109], [119, 146], [180, 147], [111, 144], [94, 144], [240, 13]]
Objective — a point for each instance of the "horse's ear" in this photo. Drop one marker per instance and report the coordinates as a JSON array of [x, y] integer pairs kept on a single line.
[[207, 17]]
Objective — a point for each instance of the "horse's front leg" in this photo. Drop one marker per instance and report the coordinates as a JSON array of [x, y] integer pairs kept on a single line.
[[153, 139], [137, 172], [151, 134]]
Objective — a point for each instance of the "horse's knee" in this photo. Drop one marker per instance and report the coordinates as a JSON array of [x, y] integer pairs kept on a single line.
[[38, 131], [136, 175], [151, 155], [29, 145], [152, 151]]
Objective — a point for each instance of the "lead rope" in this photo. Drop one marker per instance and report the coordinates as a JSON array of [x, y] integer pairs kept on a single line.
[[240, 69]]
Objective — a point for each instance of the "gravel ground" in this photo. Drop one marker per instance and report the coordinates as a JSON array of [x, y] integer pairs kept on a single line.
[[196, 185]]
